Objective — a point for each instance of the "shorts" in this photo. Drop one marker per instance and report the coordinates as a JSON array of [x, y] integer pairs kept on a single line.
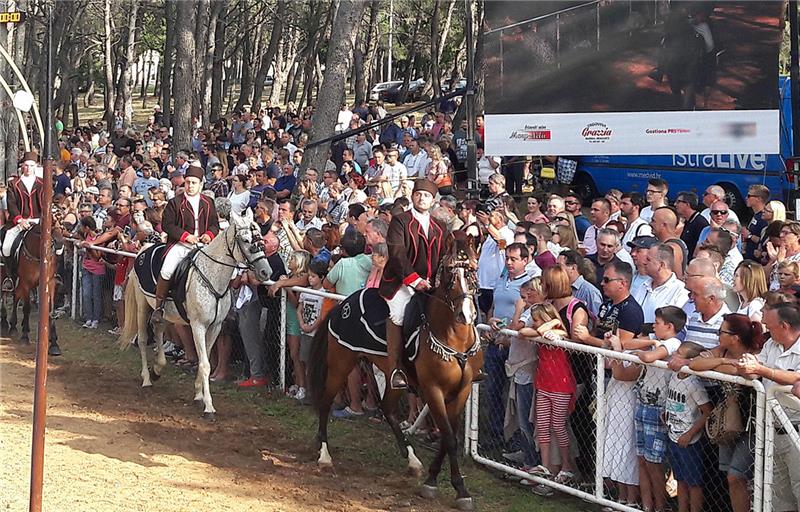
[[119, 293], [306, 341], [687, 463], [292, 325], [737, 458], [651, 433]]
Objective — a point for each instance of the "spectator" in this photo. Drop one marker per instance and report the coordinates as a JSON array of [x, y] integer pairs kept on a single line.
[[788, 276], [693, 222], [94, 270], [572, 203], [145, 183], [285, 184], [298, 268], [664, 288], [656, 196], [713, 194], [738, 335], [555, 207], [544, 257], [608, 250], [599, 214], [757, 199], [535, 214], [778, 363], [497, 191], [665, 227], [750, 284], [239, 194], [789, 250], [492, 255], [719, 213], [631, 205], [573, 264]]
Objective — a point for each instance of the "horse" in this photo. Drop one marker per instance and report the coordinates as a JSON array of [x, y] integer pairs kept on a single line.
[[208, 300], [449, 357], [28, 280], [683, 59]]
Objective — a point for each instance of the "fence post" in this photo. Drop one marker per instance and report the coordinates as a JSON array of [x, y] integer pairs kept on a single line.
[[74, 304], [769, 448], [600, 420], [467, 424], [282, 377], [760, 447], [474, 399]]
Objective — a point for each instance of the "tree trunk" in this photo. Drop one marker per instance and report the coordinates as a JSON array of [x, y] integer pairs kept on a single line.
[[218, 64], [247, 73], [340, 51], [372, 48], [75, 117], [282, 71], [199, 75], [410, 62], [170, 15], [108, 67], [184, 71], [126, 91], [269, 55], [435, 45]]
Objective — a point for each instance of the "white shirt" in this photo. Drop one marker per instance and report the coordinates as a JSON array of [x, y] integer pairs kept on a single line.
[[395, 174], [194, 202], [28, 181], [706, 214], [647, 213], [316, 222], [705, 332], [590, 238], [639, 227], [416, 164], [773, 355], [684, 398], [343, 121], [671, 293], [239, 201], [424, 219], [491, 261], [485, 169]]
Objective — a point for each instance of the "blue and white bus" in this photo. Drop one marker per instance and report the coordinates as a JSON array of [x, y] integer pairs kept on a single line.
[[685, 172]]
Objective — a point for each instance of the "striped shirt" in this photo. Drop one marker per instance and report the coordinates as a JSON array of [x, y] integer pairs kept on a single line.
[[705, 333]]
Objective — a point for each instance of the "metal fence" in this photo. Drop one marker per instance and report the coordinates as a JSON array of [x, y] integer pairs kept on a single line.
[[601, 422]]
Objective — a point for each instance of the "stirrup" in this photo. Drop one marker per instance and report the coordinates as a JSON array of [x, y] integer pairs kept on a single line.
[[157, 316], [8, 284], [398, 379]]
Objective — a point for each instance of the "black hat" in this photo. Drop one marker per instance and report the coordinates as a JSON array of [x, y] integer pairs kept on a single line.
[[427, 186], [195, 171], [643, 242]]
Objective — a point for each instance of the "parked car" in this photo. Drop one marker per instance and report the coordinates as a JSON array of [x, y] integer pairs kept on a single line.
[[461, 83], [374, 94], [392, 93]]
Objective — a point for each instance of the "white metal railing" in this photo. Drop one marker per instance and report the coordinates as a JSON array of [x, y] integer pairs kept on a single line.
[[778, 399]]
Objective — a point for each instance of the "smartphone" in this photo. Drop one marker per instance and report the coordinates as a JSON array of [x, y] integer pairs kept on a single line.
[[615, 327], [502, 323]]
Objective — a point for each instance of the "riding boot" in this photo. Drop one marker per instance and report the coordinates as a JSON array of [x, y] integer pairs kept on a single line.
[[394, 349], [162, 289]]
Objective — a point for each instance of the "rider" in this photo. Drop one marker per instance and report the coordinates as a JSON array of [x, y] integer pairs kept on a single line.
[[188, 219], [416, 241], [25, 197]]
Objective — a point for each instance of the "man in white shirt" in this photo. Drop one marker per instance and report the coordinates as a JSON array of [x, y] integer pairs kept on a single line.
[[487, 165], [308, 216], [343, 119], [491, 261], [639, 248], [702, 326], [657, 190], [393, 171], [416, 159], [630, 206], [600, 215], [665, 289], [713, 194]]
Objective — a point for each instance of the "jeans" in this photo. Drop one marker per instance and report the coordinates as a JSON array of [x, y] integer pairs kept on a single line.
[[92, 293], [524, 394], [494, 361]]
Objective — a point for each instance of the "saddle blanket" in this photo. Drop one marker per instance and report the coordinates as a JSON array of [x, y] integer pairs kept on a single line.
[[359, 323], [148, 266]]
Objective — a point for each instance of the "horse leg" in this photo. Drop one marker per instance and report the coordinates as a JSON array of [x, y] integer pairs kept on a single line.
[[161, 360], [438, 412], [340, 363], [26, 318], [4, 325], [204, 345], [450, 441], [391, 399], [14, 308]]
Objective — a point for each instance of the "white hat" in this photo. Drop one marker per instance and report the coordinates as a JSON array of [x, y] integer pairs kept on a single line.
[[93, 190]]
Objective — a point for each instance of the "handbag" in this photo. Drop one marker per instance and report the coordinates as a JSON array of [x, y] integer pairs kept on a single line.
[[725, 424]]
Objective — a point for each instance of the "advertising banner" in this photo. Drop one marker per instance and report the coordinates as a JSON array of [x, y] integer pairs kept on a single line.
[[620, 77]]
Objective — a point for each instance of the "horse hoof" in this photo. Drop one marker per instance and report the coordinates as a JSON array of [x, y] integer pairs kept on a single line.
[[4, 326], [54, 350], [24, 339], [153, 375], [210, 417], [465, 504], [12, 329], [428, 492]]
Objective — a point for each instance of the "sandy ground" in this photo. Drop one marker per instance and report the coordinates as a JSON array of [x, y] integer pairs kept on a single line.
[[112, 446]]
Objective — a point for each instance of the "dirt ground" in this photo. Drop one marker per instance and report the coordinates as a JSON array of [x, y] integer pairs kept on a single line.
[[112, 446]]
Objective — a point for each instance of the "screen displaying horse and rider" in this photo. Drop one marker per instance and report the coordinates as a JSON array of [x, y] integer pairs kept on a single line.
[[615, 56]]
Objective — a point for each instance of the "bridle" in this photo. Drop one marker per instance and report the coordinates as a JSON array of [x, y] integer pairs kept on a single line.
[[461, 262], [256, 247]]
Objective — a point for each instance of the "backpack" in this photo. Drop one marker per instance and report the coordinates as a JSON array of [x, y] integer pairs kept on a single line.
[[725, 424]]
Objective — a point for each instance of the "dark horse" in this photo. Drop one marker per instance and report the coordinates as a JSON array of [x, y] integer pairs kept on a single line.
[[28, 279], [448, 358]]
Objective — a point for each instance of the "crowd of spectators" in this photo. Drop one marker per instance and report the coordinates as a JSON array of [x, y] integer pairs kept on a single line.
[[686, 282]]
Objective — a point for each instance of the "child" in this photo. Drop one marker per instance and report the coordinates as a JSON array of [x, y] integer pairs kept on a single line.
[[555, 391], [651, 433], [298, 266], [380, 255], [94, 271], [687, 410], [310, 314]]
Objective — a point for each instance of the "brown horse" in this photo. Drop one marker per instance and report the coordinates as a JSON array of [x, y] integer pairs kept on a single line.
[[448, 358], [28, 280]]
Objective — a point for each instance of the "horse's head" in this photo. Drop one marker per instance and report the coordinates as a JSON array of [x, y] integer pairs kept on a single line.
[[458, 276], [248, 240]]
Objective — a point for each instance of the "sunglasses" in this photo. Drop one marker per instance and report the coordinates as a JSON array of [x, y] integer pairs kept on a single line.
[[723, 331], [607, 280], [719, 212]]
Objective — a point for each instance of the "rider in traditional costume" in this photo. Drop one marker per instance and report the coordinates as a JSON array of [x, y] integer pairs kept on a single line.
[[25, 198], [189, 218], [416, 245]]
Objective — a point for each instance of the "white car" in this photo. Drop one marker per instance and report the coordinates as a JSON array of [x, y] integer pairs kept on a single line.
[[374, 94]]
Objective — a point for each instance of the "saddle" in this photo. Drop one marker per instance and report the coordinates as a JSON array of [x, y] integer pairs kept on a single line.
[[359, 323], [12, 262], [148, 267]]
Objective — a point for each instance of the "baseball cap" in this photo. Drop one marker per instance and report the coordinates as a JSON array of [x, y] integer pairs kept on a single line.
[[93, 190], [643, 242]]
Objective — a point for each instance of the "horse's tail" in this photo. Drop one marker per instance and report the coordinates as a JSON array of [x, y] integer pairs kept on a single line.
[[318, 361], [131, 327]]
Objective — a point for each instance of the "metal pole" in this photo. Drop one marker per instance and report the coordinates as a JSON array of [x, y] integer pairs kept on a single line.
[[469, 97], [282, 357], [391, 34], [40, 380], [600, 429], [75, 261], [794, 74]]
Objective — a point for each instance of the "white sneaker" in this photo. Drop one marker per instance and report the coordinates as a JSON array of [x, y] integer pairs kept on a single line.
[[87, 324], [94, 324], [301, 393], [292, 393]]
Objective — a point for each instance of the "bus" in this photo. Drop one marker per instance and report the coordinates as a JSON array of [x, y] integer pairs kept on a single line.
[[692, 172]]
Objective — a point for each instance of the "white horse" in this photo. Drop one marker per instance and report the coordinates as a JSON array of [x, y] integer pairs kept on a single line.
[[208, 300]]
